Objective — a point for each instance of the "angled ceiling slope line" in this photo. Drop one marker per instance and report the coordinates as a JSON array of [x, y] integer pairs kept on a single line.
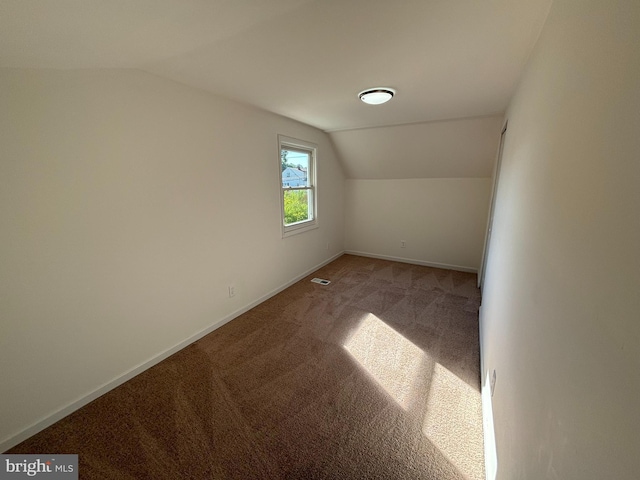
[[463, 148]]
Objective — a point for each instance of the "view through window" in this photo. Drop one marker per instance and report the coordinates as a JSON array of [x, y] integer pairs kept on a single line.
[[297, 162]]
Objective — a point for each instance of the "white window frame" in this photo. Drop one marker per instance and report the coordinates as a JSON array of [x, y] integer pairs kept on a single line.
[[290, 143]]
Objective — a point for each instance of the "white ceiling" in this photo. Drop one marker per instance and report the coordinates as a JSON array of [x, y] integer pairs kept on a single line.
[[454, 64], [304, 59]]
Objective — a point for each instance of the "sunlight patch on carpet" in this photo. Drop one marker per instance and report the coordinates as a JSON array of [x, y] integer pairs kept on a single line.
[[390, 358], [451, 422]]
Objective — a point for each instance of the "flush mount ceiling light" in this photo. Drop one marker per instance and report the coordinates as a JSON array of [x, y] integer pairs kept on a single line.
[[376, 96]]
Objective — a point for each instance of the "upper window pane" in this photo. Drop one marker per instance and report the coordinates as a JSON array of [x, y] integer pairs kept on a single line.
[[295, 168]]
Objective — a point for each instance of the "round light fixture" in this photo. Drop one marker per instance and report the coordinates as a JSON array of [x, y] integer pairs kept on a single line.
[[376, 96]]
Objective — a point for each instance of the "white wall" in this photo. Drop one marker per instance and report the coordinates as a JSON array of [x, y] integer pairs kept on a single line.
[[560, 317], [425, 183], [442, 220], [128, 204]]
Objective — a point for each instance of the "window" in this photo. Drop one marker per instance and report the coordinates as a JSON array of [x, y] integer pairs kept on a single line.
[[297, 164]]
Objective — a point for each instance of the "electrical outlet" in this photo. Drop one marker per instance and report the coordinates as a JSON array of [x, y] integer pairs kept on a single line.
[[403, 243], [327, 246], [232, 291]]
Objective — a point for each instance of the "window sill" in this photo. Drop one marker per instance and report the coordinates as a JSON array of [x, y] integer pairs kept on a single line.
[[300, 228]]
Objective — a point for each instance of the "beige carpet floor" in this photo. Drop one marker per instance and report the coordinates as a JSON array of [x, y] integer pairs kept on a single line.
[[374, 376]]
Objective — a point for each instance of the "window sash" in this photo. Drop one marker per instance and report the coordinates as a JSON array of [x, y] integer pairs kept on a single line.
[[310, 206], [308, 150]]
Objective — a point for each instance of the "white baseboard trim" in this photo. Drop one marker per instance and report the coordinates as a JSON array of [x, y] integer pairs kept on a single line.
[[49, 420], [490, 452], [488, 428], [445, 266], [481, 339]]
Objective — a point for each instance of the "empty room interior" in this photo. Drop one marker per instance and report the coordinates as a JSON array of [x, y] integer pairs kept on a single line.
[[321, 238]]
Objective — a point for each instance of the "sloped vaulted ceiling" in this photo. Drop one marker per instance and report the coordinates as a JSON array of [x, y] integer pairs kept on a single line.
[[442, 149], [304, 59]]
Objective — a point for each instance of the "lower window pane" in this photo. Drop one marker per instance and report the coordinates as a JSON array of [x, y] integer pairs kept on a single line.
[[296, 206]]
